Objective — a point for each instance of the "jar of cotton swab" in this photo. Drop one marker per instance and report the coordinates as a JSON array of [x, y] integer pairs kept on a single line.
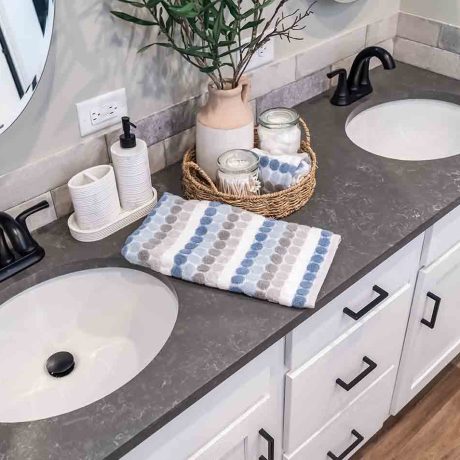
[[238, 172]]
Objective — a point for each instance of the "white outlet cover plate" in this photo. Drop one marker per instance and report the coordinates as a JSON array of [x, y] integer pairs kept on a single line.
[[115, 98]]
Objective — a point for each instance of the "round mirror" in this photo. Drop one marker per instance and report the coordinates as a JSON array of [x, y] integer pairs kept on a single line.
[[26, 27]]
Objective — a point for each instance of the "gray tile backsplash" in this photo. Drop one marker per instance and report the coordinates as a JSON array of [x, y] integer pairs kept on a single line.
[[168, 133], [295, 92], [428, 57], [449, 38], [166, 123], [428, 44]]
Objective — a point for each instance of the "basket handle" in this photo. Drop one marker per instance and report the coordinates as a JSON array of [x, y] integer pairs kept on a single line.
[[306, 131], [207, 179]]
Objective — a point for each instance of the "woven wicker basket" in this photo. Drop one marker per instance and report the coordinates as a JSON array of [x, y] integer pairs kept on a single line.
[[197, 185]]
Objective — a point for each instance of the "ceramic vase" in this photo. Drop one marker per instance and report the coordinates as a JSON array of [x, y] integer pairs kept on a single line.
[[224, 123]]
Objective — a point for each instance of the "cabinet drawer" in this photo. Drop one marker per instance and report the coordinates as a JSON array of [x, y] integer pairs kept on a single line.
[[433, 334], [353, 427], [357, 358], [330, 322], [441, 236]]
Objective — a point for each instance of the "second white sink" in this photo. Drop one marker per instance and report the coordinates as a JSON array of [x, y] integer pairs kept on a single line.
[[112, 321], [409, 129]]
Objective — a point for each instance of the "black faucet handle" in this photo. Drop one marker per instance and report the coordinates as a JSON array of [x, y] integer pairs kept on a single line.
[[334, 73], [21, 219], [342, 94]]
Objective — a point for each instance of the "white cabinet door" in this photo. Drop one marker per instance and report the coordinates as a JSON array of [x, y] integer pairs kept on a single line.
[[241, 419], [433, 334], [240, 440]]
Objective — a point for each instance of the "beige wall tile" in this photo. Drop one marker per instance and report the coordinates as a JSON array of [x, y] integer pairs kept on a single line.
[[323, 54], [380, 31], [157, 160], [418, 29], [62, 201], [347, 62], [273, 76], [176, 146], [428, 57], [50, 172]]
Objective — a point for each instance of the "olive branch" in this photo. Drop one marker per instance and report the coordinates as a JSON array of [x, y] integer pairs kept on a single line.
[[209, 33]]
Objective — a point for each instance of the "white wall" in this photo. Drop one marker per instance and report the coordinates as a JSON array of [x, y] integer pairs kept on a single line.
[[440, 10], [93, 53]]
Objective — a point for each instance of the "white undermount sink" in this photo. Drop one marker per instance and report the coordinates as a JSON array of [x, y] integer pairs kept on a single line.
[[409, 129], [113, 321]]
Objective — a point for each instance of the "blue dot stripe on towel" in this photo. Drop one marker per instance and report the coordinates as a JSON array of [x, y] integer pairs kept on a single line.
[[229, 248]]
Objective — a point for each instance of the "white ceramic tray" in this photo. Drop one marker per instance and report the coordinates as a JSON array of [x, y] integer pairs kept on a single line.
[[125, 218]]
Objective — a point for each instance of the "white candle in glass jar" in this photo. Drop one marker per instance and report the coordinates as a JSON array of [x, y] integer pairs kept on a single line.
[[279, 131]]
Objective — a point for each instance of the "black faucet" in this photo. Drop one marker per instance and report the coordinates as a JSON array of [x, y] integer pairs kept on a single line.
[[23, 251], [358, 84]]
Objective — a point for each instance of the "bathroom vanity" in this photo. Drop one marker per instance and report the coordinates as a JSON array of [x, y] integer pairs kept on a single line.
[[243, 379]]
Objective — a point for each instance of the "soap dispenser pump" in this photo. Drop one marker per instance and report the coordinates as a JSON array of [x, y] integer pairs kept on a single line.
[[131, 163], [127, 139]]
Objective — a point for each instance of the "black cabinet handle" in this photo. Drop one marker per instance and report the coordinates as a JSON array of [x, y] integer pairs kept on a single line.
[[271, 445], [359, 439], [382, 295], [359, 377], [437, 302]]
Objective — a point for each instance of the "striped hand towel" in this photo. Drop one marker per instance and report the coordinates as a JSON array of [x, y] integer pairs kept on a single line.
[[229, 248]]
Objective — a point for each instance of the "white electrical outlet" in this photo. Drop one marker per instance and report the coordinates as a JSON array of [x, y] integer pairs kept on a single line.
[[262, 56], [102, 111]]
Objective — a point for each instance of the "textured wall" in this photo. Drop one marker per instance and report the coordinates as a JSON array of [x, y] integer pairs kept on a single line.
[[93, 53]]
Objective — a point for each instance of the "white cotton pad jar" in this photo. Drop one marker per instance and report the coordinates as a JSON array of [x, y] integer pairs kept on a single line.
[[279, 131]]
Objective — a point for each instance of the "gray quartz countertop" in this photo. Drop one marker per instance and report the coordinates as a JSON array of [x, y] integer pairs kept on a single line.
[[376, 204]]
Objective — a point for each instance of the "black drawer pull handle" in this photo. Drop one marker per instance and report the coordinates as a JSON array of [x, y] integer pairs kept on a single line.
[[359, 377], [359, 439], [437, 302], [271, 445], [382, 295]]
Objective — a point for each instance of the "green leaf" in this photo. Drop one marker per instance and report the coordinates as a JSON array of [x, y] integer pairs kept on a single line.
[[208, 69], [232, 8], [195, 51], [185, 11], [163, 45], [133, 19], [252, 24], [141, 50], [217, 27]]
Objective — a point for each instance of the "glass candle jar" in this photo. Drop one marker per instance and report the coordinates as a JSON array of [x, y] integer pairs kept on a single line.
[[238, 172], [279, 131]]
